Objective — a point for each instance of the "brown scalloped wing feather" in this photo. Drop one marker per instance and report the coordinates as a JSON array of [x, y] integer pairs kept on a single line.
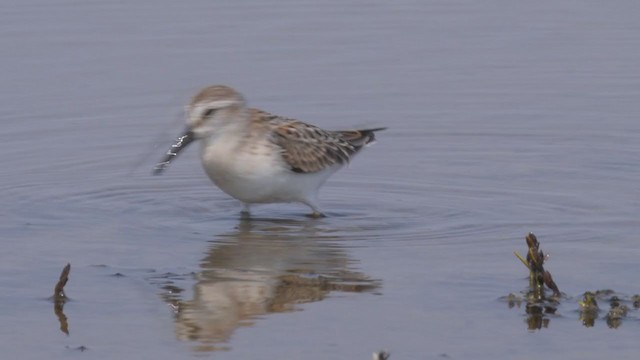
[[308, 149]]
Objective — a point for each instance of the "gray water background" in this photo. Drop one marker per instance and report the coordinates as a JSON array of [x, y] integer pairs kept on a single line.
[[504, 117]]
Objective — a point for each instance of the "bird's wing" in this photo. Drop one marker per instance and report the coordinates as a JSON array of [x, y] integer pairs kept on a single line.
[[307, 148]]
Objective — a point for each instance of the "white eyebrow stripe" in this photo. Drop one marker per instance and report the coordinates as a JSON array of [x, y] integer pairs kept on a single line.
[[219, 104], [222, 103]]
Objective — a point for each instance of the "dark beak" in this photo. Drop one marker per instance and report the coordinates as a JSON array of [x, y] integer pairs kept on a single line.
[[183, 140]]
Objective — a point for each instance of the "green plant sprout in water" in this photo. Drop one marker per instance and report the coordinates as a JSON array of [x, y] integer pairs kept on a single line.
[[588, 309]]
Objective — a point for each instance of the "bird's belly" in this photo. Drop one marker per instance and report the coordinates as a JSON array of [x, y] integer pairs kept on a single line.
[[256, 187], [260, 176], [251, 178]]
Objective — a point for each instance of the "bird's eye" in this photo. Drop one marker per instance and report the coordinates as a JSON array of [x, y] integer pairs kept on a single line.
[[209, 112]]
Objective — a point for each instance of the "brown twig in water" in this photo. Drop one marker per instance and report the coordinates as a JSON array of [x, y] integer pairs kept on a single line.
[[548, 280], [538, 276], [58, 309], [58, 291], [59, 299]]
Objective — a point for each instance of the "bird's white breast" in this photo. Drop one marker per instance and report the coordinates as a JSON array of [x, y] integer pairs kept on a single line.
[[256, 173]]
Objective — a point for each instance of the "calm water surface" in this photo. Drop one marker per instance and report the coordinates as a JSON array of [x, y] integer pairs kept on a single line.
[[503, 118]]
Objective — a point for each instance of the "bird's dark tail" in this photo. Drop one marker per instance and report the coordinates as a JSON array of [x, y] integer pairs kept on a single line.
[[360, 138]]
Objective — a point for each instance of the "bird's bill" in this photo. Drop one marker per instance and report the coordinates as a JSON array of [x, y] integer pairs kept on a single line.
[[183, 140]]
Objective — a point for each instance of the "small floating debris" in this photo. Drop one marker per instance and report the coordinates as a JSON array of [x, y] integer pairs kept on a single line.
[[381, 355], [80, 348]]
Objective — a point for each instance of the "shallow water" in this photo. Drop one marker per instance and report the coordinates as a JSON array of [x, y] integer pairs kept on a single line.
[[503, 118]]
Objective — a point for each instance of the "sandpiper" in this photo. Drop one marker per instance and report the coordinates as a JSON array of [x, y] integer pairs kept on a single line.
[[257, 157]]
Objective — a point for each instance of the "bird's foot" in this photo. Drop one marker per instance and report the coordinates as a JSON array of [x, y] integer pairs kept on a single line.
[[245, 212], [316, 215]]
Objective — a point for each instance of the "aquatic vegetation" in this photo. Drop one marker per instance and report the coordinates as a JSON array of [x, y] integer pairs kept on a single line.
[[539, 305], [538, 276], [588, 309], [617, 313]]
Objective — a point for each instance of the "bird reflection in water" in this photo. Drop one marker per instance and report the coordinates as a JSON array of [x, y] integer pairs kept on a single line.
[[264, 266]]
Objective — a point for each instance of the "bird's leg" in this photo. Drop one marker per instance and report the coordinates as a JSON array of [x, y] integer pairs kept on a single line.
[[317, 213], [246, 210]]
